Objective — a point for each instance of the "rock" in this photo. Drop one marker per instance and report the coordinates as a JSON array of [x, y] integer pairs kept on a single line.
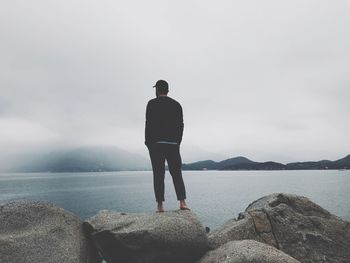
[[270, 228], [293, 224], [234, 229], [172, 236], [246, 251], [33, 231]]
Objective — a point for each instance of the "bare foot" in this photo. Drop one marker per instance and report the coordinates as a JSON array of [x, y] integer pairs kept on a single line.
[[160, 208], [183, 205]]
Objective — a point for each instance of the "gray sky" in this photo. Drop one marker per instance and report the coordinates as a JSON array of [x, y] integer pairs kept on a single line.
[[263, 79]]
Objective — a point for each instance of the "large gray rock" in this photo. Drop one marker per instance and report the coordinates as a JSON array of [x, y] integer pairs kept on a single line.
[[173, 236], [293, 224], [234, 229], [246, 251], [41, 232]]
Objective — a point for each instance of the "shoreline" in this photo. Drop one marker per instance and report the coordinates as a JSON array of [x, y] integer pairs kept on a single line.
[[242, 170]]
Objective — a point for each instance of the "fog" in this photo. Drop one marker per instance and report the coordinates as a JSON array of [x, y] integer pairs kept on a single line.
[[269, 80]]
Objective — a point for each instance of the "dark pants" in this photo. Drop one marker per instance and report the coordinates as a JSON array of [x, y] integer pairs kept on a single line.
[[159, 152]]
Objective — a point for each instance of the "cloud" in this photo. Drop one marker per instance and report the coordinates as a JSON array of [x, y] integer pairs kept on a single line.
[[24, 133], [264, 79]]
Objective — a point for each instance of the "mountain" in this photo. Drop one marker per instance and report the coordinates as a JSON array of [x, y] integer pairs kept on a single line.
[[242, 163], [211, 165], [256, 166], [83, 159], [192, 153], [201, 165], [324, 164], [108, 158], [343, 163], [233, 162]]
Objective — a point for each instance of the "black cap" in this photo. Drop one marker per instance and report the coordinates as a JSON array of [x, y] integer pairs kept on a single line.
[[162, 84]]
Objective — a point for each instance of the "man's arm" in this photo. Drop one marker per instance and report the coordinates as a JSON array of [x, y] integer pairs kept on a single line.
[[148, 126], [181, 125]]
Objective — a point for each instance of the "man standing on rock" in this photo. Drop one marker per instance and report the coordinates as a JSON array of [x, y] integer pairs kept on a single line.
[[163, 135]]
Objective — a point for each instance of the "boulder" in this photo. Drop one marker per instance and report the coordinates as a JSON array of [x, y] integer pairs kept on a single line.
[[172, 236], [234, 229], [246, 251], [32, 231], [293, 224]]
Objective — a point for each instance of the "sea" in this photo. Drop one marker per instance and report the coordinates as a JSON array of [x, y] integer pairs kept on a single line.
[[214, 196]]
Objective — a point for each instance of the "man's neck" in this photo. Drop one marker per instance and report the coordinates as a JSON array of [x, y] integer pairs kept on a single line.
[[162, 95]]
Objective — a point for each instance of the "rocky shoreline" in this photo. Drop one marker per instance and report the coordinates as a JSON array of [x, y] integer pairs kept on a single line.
[[275, 228]]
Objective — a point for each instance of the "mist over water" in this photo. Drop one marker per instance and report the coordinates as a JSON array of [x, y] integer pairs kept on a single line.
[[215, 196]]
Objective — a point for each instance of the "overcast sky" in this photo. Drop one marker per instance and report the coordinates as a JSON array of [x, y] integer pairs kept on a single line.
[[269, 80]]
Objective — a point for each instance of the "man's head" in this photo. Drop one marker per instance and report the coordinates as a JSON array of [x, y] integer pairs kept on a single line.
[[162, 87]]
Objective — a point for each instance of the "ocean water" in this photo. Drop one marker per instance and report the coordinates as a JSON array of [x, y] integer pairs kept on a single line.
[[215, 196]]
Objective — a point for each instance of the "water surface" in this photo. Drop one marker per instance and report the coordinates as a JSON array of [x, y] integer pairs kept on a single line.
[[215, 196]]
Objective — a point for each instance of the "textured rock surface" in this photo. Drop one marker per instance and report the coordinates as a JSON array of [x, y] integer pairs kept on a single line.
[[246, 251], [41, 232], [292, 224], [173, 236], [240, 229]]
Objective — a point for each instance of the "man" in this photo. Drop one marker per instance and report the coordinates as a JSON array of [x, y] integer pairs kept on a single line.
[[163, 135]]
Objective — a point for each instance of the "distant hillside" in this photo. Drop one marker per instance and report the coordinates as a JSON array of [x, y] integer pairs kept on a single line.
[[201, 165], [211, 165], [83, 159], [343, 163], [103, 158], [242, 163]]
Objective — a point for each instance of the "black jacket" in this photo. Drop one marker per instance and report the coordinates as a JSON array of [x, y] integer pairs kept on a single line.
[[164, 120]]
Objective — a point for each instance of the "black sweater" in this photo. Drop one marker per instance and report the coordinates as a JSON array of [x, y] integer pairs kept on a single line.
[[164, 120]]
